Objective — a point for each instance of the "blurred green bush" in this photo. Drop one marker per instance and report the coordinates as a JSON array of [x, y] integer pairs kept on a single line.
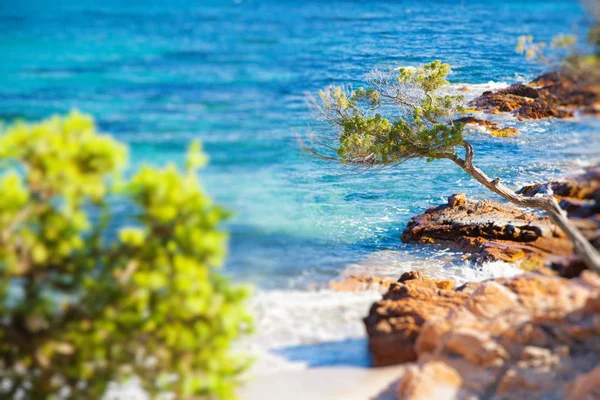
[[87, 297]]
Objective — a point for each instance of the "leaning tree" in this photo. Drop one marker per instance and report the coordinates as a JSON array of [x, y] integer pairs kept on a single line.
[[404, 115]]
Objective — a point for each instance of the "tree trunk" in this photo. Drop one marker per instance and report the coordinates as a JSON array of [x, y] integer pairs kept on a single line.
[[583, 247]]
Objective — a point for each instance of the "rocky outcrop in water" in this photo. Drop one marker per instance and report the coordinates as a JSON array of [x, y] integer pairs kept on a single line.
[[493, 128], [490, 231], [579, 195], [529, 337], [553, 95]]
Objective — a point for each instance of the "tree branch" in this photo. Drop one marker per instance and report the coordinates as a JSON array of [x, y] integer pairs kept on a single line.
[[583, 247]]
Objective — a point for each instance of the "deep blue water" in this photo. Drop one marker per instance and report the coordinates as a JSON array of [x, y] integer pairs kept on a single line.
[[235, 75]]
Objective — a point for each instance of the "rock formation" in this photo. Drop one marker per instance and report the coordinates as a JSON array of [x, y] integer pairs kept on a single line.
[[534, 336], [395, 322], [357, 283], [490, 231], [551, 95], [529, 337], [491, 127]]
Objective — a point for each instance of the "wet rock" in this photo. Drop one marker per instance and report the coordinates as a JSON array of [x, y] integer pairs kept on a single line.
[[591, 110], [521, 90], [499, 101], [411, 276], [417, 278], [553, 95], [529, 337], [490, 126], [551, 78], [584, 187], [490, 231], [540, 110]]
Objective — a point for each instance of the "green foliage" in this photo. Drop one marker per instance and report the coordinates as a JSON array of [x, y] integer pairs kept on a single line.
[[430, 77], [423, 128], [86, 298]]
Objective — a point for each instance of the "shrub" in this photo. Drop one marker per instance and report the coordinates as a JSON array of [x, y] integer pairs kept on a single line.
[[88, 297]]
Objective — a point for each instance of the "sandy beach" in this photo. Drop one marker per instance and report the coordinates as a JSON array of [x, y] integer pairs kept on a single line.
[[322, 384]]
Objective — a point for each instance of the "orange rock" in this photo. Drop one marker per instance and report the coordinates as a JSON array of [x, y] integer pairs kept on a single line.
[[357, 283], [554, 95], [475, 346], [457, 200], [445, 284], [529, 337], [395, 322], [492, 127], [435, 380], [586, 386], [505, 100], [489, 231], [541, 110]]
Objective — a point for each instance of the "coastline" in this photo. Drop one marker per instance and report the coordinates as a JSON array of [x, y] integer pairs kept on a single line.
[[371, 275]]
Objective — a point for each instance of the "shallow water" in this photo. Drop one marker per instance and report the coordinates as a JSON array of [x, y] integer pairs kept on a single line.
[[235, 75]]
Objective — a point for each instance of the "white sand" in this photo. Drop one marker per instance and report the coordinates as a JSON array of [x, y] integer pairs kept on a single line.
[[343, 383]]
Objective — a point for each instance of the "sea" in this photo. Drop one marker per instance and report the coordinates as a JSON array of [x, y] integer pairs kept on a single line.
[[237, 75]]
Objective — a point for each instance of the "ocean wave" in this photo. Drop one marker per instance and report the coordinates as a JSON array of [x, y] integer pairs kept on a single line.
[[473, 90], [296, 329], [440, 264], [296, 321]]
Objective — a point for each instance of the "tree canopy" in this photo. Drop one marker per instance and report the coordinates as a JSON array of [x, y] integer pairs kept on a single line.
[[403, 114]]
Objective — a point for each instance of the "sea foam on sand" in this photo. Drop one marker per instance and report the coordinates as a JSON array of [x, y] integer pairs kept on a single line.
[[313, 342], [297, 329]]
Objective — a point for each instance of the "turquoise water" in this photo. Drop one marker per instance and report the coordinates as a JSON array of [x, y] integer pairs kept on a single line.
[[235, 75]]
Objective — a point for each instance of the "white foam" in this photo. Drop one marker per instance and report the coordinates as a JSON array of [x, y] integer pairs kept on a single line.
[[488, 270], [291, 318], [435, 264], [288, 318], [476, 89]]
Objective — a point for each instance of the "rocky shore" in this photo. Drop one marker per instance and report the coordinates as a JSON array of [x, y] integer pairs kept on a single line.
[[491, 231], [530, 337], [534, 336], [553, 95]]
